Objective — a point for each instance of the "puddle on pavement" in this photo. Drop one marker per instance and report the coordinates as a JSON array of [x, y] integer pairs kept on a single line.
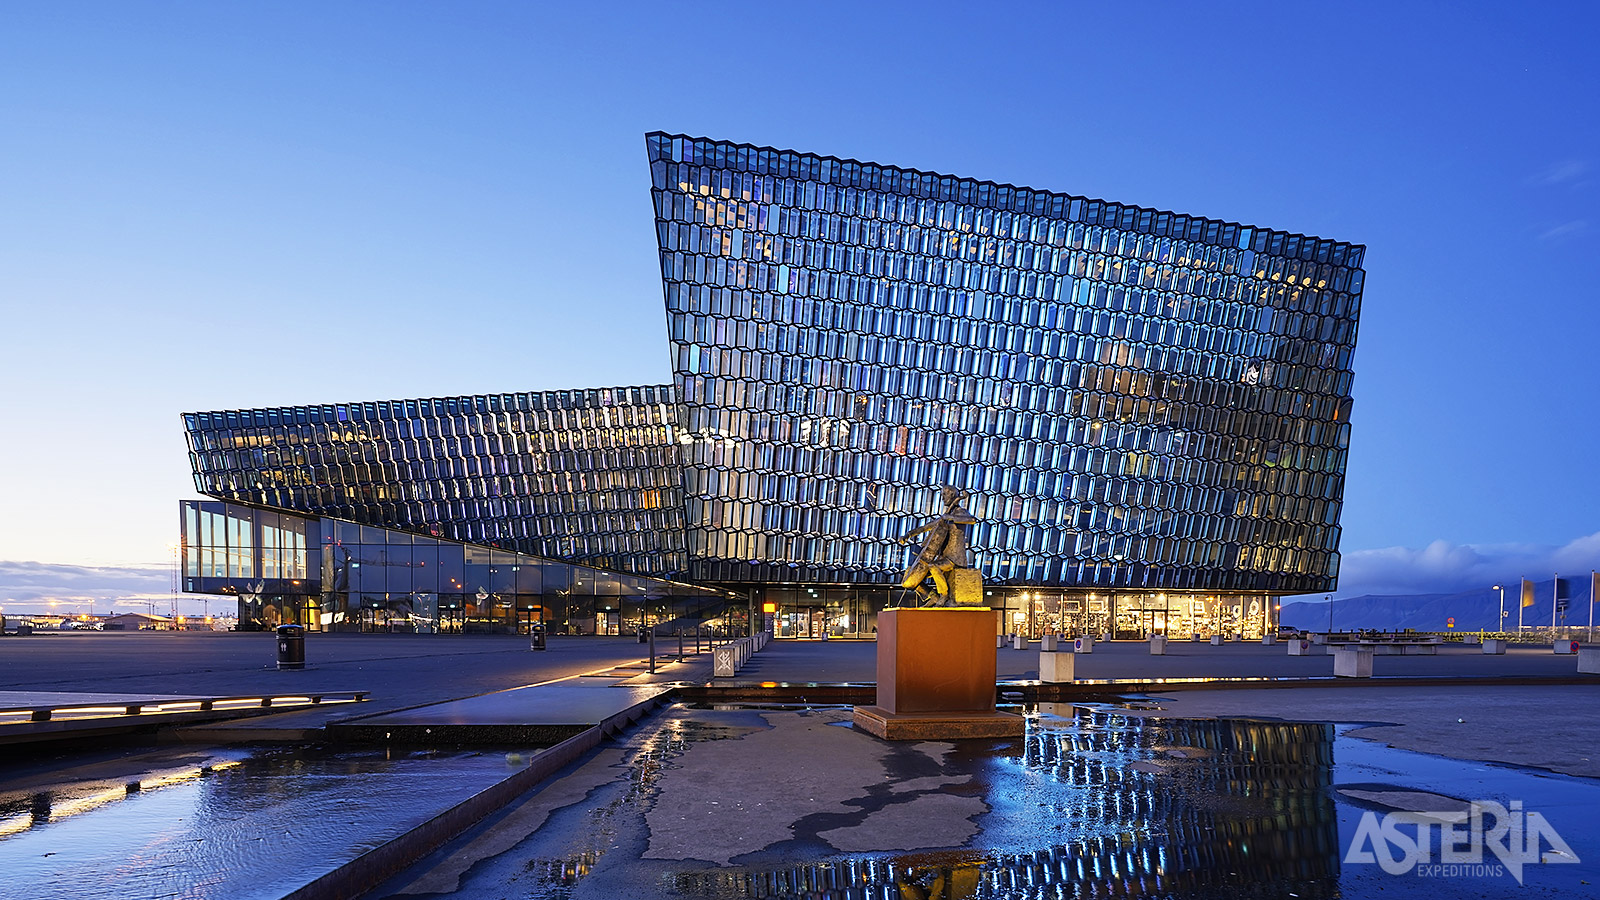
[[228, 824], [1090, 803]]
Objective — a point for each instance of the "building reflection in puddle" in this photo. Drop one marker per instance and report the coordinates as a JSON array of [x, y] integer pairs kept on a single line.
[[1104, 805]]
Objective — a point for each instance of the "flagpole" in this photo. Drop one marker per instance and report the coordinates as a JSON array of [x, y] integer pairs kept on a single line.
[[1555, 601], [1594, 583]]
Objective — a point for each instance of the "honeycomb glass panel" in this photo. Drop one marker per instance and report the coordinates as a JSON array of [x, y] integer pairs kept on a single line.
[[938, 328]]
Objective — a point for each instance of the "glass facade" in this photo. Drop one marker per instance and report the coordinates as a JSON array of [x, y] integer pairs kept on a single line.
[[1150, 412], [336, 575], [1135, 398], [589, 476]]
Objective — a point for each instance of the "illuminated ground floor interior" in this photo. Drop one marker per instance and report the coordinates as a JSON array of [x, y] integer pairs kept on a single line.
[[812, 611], [333, 575], [796, 611]]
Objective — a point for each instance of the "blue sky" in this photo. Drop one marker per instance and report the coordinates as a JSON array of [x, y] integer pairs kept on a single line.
[[234, 205]]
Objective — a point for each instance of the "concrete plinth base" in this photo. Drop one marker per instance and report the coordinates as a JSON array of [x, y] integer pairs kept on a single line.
[[1494, 646], [1158, 645], [936, 677], [1216, 640], [1303, 648], [877, 721], [1589, 660]]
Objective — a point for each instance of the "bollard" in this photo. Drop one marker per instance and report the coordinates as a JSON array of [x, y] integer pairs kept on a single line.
[[1589, 660], [1056, 667], [652, 630], [1566, 646], [680, 643], [1018, 642], [1158, 645], [722, 665], [1494, 646], [1047, 642], [1084, 644], [1216, 640], [999, 641], [1267, 640], [1353, 662], [1302, 648]]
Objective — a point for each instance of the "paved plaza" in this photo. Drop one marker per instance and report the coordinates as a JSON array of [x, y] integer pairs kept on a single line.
[[1200, 790]]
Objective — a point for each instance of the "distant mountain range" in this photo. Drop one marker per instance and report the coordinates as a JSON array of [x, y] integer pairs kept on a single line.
[[1471, 610]]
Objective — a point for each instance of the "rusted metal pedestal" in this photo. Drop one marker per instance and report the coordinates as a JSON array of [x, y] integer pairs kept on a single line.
[[936, 677]]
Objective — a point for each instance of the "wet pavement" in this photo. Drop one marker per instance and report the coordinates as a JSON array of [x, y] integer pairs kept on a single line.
[[231, 824], [1093, 801], [1550, 727], [399, 670], [1162, 796]]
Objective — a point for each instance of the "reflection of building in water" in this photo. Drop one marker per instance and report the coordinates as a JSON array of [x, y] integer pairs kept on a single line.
[[1151, 808]]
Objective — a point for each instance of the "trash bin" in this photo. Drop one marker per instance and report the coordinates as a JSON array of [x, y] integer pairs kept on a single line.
[[536, 636], [291, 646]]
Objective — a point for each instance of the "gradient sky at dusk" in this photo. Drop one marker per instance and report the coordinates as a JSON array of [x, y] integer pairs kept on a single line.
[[210, 206]]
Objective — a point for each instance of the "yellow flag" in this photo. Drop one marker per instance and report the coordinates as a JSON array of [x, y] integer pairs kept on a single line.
[[1527, 592]]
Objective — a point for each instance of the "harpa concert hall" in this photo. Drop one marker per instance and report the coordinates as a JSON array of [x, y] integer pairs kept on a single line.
[[1149, 412]]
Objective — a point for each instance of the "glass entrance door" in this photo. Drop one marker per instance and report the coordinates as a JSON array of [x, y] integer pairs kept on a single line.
[[801, 622]]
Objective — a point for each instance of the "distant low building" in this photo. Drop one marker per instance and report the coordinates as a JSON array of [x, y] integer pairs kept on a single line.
[[140, 622]]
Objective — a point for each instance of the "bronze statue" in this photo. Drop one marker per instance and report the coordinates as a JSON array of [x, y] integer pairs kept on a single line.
[[943, 553]]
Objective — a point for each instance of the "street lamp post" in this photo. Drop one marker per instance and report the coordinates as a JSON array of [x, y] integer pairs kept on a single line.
[[1329, 598], [1500, 626]]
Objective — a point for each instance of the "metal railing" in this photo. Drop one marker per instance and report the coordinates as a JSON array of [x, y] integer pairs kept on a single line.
[[714, 640]]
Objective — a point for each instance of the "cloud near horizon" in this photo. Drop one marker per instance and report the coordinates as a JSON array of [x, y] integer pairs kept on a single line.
[[1443, 567], [36, 587]]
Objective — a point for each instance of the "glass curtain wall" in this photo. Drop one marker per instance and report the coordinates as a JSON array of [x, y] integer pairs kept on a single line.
[[1134, 398], [1139, 615], [589, 476], [334, 575]]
